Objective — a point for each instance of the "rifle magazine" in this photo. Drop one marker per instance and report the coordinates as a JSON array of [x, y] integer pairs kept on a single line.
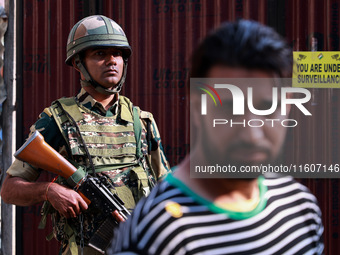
[[103, 236]]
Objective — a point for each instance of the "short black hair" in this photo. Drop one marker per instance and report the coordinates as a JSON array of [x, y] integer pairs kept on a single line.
[[243, 44]]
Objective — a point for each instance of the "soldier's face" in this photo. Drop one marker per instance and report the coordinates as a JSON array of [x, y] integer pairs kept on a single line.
[[105, 65], [239, 145]]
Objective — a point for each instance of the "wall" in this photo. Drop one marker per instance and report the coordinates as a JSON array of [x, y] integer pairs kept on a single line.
[[162, 34]]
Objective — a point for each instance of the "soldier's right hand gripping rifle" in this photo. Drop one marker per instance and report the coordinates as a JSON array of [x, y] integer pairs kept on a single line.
[[95, 191]]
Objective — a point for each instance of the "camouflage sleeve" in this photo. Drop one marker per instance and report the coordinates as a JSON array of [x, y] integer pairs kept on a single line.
[[158, 160], [49, 129]]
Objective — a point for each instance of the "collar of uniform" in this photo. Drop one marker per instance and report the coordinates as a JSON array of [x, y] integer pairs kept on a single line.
[[85, 99]]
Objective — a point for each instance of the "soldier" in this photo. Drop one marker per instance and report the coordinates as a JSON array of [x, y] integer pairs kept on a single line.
[[97, 129]]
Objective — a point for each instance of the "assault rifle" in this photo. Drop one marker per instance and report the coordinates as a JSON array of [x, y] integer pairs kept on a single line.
[[95, 191]]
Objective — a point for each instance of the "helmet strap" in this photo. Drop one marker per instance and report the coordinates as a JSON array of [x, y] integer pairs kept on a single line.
[[89, 81]]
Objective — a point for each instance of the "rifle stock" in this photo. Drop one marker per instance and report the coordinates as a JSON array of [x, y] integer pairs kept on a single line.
[[38, 153]]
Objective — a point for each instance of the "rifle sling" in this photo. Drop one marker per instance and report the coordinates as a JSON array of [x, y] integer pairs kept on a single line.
[[76, 177]]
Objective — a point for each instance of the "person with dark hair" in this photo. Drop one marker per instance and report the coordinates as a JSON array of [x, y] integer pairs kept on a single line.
[[255, 215], [243, 45], [102, 134]]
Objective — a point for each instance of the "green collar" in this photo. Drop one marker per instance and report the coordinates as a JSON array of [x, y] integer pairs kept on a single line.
[[216, 209]]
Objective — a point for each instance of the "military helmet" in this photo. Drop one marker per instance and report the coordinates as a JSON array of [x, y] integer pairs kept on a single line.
[[96, 31]]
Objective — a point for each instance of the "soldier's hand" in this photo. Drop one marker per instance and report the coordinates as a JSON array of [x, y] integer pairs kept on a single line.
[[68, 202]]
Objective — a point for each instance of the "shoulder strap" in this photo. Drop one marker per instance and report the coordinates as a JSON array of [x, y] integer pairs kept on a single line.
[[70, 105], [137, 127], [57, 110], [127, 109], [138, 115]]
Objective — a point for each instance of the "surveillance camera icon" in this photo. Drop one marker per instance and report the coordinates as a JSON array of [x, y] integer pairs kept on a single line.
[[336, 57], [302, 57]]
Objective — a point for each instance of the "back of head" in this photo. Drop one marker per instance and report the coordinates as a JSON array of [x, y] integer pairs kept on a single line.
[[243, 44]]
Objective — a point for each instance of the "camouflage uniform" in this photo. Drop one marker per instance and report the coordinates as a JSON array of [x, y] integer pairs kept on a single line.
[[124, 179]]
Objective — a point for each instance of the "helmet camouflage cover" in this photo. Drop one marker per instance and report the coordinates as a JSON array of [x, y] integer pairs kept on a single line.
[[96, 31]]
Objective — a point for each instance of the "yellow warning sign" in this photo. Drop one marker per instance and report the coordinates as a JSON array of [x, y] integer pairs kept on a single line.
[[316, 69]]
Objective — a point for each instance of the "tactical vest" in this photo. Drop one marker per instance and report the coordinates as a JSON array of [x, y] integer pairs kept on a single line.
[[118, 149]]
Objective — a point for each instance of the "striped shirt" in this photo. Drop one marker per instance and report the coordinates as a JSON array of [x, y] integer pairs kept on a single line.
[[175, 220]]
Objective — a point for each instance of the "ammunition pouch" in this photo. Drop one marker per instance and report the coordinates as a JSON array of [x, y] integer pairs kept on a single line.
[[142, 188]]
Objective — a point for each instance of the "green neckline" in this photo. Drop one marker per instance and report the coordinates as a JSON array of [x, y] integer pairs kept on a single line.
[[216, 209]]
